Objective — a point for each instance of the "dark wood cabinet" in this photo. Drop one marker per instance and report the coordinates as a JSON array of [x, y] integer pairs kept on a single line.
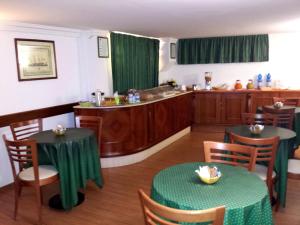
[[226, 107], [130, 129], [232, 107], [219, 108], [207, 108]]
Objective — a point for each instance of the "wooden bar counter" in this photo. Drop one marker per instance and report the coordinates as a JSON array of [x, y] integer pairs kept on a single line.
[[132, 128], [225, 107]]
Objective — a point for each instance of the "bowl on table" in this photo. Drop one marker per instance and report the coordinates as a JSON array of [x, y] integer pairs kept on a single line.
[[208, 175], [59, 130], [278, 105], [256, 129]]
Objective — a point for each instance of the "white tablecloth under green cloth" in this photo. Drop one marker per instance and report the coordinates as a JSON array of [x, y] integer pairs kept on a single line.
[[244, 195]]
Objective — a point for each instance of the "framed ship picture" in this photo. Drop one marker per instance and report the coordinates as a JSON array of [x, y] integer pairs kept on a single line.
[[35, 59]]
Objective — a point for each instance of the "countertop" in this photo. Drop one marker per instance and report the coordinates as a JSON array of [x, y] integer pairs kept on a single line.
[[177, 93]]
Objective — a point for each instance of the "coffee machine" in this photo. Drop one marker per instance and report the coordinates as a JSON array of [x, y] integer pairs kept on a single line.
[[207, 77]]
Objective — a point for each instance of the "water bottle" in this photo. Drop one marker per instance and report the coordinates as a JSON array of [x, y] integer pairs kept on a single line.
[[259, 81], [268, 80], [137, 97]]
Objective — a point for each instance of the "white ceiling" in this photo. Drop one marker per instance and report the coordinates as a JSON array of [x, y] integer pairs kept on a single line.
[[160, 18]]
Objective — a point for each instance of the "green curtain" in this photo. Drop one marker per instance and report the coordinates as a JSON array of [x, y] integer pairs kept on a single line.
[[134, 62], [232, 49]]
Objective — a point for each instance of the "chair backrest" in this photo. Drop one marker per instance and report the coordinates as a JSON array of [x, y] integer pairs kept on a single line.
[[232, 154], [266, 149], [24, 152], [263, 119], [92, 122], [22, 130], [155, 213], [287, 101], [285, 117]]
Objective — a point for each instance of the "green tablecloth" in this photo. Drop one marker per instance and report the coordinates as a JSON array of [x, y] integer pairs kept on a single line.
[[284, 152], [297, 125], [75, 155], [244, 195]]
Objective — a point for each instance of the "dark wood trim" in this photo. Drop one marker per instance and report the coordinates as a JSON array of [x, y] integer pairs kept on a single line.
[[5, 120]]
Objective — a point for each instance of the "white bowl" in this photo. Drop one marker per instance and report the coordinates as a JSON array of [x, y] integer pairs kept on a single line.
[[278, 105], [59, 132], [256, 129]]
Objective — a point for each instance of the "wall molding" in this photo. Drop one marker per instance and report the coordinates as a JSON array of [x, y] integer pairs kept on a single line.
[[7, 119], [39, 29]]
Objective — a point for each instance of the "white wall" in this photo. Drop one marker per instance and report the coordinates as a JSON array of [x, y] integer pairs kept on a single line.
[[18, 96], [283, 65]]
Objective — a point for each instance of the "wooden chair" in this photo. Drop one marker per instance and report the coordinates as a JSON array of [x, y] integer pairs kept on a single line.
[[24, 152], [285, 117], [22, 130], [155, 213], [266, 152], [263, 119], [92, 122], [287, 101], [231, 154]]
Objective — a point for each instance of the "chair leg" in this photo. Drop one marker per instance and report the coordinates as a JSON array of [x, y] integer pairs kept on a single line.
[[39, 203], [18, 189]]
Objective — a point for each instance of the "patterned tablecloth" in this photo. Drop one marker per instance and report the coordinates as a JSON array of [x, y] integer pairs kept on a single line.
[[244, 195], [284, 152], [75, 155]]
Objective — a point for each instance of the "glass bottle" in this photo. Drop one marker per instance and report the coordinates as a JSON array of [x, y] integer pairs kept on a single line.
[[250, 84], [238, 85]]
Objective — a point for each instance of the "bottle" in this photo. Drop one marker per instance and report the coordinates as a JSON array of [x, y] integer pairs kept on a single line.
[[250, 84], [268, 80], [98, 97], [259, 81], [137, 97], [238, 85], [117, 98]]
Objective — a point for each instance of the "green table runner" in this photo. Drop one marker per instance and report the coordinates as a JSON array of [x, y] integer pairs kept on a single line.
[[284, 152], [244, 195], [75, 156]]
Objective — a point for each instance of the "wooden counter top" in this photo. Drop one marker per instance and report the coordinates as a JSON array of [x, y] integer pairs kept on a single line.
[[134, 104]]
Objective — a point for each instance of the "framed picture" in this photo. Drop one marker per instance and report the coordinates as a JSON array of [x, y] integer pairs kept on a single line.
[[103, 49], [172, 50], [35, 59]]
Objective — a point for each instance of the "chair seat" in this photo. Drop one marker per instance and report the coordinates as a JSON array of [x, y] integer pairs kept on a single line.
[[261, 171], [297, 153], [294, 166], [45, 171]]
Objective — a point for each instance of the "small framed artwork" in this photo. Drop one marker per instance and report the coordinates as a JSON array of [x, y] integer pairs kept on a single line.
[[35, 59], [172, 50], [103, 49]]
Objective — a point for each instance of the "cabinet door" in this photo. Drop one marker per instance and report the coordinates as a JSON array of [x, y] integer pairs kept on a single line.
[[207, 108], [182, 111], [233, 105], [163, 119]]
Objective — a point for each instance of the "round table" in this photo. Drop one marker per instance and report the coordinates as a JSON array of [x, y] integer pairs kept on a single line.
[[284, 152], [296, 126], [75, 155], [244, 195]]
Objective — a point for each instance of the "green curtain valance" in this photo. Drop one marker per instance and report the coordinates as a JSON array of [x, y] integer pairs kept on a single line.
[[134, 62], [231, 49]]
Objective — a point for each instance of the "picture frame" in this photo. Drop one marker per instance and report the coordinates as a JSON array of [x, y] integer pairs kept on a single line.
[[173, 50], [36, 59], [103, 47]]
